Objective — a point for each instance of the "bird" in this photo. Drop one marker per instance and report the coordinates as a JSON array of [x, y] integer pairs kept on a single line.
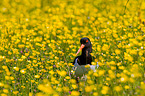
[[84, 59]]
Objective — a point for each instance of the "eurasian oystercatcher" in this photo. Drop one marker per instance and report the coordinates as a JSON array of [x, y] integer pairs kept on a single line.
[[84, 59]]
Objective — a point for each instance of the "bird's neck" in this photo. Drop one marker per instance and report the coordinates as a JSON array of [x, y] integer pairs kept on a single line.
[[86, 57], [86, 52]]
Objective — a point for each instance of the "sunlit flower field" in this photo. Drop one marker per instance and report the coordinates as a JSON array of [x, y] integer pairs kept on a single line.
[[39, 40]]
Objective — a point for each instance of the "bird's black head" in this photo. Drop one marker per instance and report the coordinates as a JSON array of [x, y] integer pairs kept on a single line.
[[86, 41], [85, 45]]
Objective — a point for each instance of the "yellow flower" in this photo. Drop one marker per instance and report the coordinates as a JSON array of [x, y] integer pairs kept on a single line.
[[45, 88], [23, 57], [111, 74], [32, 81], [101, 72], [55, 94], [8, 73], [7, 77], [131, 80], [123, 78], [126, 87], [141, 52], [67, 77], [87, 66], [74, 86], [95, 74], [1, 58], [21, 45], [143, 86], [37, 76], [23, 71], [9, 52], [15, 92], [40, 94], [5, 67], [3, 95], [26, 54], [105, 47], [73, 81], [65, 89], [30, 94], [95, 94], [12, 78], [5, 91], [113, 68], [1, 71], [121, 67], [23, 86], [112, 63], [59, 89], [1, 84], [98, 47], [62, 73], [117, 51], [93, 63], [88, 89], [75, 93], [105, 90], [117, 88]]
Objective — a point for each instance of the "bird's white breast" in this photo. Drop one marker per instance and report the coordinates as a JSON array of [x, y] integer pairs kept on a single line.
[[80, 70]]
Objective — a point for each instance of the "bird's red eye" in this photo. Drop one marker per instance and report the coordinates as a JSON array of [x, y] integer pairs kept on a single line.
[[86, 40]]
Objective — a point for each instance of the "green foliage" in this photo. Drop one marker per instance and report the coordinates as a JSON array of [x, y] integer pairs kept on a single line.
[[39, 40]]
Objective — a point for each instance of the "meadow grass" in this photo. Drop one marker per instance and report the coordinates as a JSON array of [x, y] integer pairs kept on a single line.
[[39, 40]]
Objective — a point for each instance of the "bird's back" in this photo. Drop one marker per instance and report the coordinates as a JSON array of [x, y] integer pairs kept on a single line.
[[82, 60]]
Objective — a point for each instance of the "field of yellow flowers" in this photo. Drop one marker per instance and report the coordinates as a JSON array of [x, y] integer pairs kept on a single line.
[[39, 39]]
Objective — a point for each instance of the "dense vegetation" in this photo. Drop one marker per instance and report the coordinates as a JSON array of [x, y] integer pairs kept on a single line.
[[39, 39]]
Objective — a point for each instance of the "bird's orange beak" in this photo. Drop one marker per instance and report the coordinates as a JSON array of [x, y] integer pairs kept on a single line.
[[82, 46]]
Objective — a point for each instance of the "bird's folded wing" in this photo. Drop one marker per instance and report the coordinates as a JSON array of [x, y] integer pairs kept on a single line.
[[80, 70]]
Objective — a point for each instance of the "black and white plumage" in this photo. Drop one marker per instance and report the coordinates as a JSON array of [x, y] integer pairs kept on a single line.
[[84, 59], [86, 47]]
